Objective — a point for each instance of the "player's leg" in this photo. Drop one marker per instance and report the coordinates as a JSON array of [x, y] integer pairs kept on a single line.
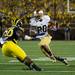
[[49, 54], [46, 50], [44, 45], [61, 59], [11, 49]]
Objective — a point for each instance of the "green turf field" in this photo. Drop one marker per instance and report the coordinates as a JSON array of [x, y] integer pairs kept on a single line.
[[10, 66]]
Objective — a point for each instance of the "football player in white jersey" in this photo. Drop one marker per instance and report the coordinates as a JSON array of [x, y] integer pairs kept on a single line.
[[39, 25]]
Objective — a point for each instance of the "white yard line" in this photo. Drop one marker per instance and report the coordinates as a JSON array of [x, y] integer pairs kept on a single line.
[[45, 59], [38, 59]]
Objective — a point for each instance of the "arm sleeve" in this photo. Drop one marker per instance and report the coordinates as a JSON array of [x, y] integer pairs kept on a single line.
[[46, 19]]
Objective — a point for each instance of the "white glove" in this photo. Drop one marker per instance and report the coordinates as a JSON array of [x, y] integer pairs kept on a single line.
[[27, 37]]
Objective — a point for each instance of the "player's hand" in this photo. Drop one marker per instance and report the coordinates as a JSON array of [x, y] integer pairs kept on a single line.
[[27, 37]]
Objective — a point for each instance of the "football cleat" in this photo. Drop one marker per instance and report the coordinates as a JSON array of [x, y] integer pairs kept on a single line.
[[34, 67], [65, 62]]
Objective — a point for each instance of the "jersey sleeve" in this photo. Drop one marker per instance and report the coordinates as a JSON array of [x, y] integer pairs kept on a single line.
[[32, 22], [46, 19]]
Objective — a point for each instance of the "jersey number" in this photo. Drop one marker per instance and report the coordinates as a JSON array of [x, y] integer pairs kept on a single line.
[[42, 29], [8, 32]]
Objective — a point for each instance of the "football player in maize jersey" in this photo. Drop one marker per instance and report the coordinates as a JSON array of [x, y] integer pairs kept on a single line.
[[39, 25], [11, 49]]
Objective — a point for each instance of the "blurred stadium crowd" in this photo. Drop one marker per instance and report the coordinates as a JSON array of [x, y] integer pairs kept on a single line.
[[11, 10]]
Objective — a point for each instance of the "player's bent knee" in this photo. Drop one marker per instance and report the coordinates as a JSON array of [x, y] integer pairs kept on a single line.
[[42, 46]]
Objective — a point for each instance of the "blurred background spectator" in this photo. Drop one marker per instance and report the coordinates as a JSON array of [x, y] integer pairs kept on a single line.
[[12, 10]]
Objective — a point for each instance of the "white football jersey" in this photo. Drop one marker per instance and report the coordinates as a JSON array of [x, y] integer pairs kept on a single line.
[[41, 25]]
